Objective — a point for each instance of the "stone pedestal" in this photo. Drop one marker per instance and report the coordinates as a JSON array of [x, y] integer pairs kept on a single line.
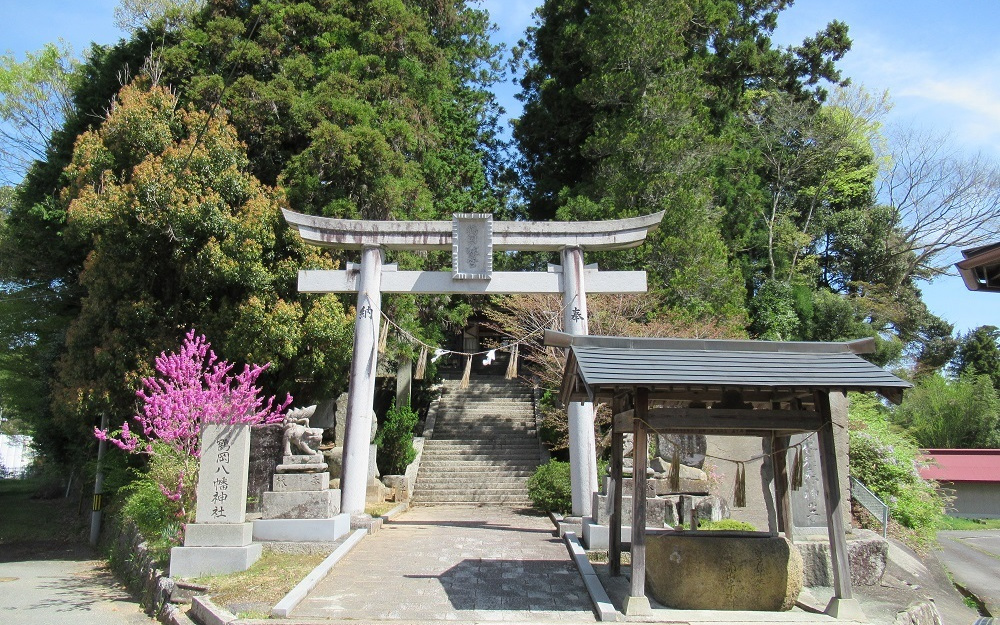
[[220, 539], [301, 506]]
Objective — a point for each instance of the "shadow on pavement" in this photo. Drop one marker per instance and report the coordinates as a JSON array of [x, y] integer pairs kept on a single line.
[[478, 584]]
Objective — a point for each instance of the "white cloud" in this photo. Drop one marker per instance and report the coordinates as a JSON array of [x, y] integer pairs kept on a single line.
[[963, 99]]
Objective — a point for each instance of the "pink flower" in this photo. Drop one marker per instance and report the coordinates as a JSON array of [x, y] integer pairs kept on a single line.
[[191, 388]]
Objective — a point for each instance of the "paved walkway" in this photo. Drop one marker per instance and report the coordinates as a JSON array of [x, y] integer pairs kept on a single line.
[[973, 558], [62, 584], [458, 564]]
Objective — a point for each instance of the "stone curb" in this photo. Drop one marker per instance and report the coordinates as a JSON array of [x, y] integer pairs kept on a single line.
[[598, 596], [391, 514], [172, 615], [284, 607], [205, 612]]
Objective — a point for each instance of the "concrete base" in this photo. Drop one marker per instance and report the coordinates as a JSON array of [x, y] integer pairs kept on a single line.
[[201, 561], [218, 534], [637, 606], [597, 536], [846, 609], [302, 530]]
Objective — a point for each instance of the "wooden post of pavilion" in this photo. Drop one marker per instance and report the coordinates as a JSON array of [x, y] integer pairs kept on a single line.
[[615, 523], [637, 604], [779, 448], [843, 604]]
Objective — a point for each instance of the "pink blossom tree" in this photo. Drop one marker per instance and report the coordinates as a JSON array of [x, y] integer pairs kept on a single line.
[[192, 387]]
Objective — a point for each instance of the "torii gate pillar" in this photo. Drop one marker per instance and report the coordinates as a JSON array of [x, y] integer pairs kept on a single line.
[[361, 387], [582, 446]]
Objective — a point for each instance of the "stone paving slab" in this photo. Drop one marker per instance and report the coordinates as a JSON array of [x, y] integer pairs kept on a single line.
[[463, 564]]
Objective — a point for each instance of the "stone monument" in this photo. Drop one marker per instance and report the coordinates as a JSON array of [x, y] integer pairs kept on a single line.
[[220, 540], [301, 506]]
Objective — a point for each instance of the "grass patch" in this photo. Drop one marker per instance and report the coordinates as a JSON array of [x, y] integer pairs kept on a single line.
[[378, 509], [264, 583], [602, 557], [955, 523], [28, 517]]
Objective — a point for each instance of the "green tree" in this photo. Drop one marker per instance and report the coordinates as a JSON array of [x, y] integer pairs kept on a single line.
[[978, 352], [35, 98], [952, 413], [614, 76], [181, 236]]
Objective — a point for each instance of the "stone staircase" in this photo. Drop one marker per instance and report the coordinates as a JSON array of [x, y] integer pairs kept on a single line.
[[483, 446]]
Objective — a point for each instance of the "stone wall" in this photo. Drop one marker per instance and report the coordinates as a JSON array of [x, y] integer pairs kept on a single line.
[[265, 454], [132, 563]]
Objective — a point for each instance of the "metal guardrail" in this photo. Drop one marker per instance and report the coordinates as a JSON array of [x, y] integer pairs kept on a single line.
[[871, 503]]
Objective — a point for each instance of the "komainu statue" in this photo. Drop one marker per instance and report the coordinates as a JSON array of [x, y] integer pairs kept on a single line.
[[298, 434]]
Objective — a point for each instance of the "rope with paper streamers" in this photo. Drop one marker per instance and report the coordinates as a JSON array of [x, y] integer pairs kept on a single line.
[[490, 354], [739, 492]]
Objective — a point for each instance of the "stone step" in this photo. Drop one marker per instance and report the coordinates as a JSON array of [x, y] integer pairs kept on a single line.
[[465, 452], [500, 453], [487, 410], [453, 439], [518, 461], [471, 490], [441, 498], [459, 439], [450, 472], [484, 446], [458, 493], [498, 445], [490, 439], [491, 465]]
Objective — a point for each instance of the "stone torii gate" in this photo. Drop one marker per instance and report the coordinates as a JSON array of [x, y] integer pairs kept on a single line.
[[472, 238]]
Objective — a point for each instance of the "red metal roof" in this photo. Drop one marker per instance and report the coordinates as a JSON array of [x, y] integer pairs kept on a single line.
[[962, 465]]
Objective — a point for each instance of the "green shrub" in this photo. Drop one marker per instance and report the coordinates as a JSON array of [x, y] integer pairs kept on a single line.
[[549, 488], [159, 517], [395, 440], [886, 461], [727, 524]]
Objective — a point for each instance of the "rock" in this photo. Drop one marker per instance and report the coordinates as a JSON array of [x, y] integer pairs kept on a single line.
[[867, 553], [301, 505], [335, 460], [692, 448], [921, 613], [712, 508], [656, 511], [722, 572], [325, 415], [340, 420], [661, 486]]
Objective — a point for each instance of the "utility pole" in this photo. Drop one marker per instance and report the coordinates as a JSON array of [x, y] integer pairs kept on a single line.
[[95, 516]]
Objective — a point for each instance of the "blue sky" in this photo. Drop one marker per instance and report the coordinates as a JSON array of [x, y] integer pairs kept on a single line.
[[939, 61]]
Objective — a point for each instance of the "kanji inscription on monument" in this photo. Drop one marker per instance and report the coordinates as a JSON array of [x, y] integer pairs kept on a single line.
[[472, 246], [222, 477]]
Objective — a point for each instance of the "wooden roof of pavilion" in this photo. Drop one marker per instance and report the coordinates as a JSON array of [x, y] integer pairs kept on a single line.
[[705, 369], [981, 268]]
